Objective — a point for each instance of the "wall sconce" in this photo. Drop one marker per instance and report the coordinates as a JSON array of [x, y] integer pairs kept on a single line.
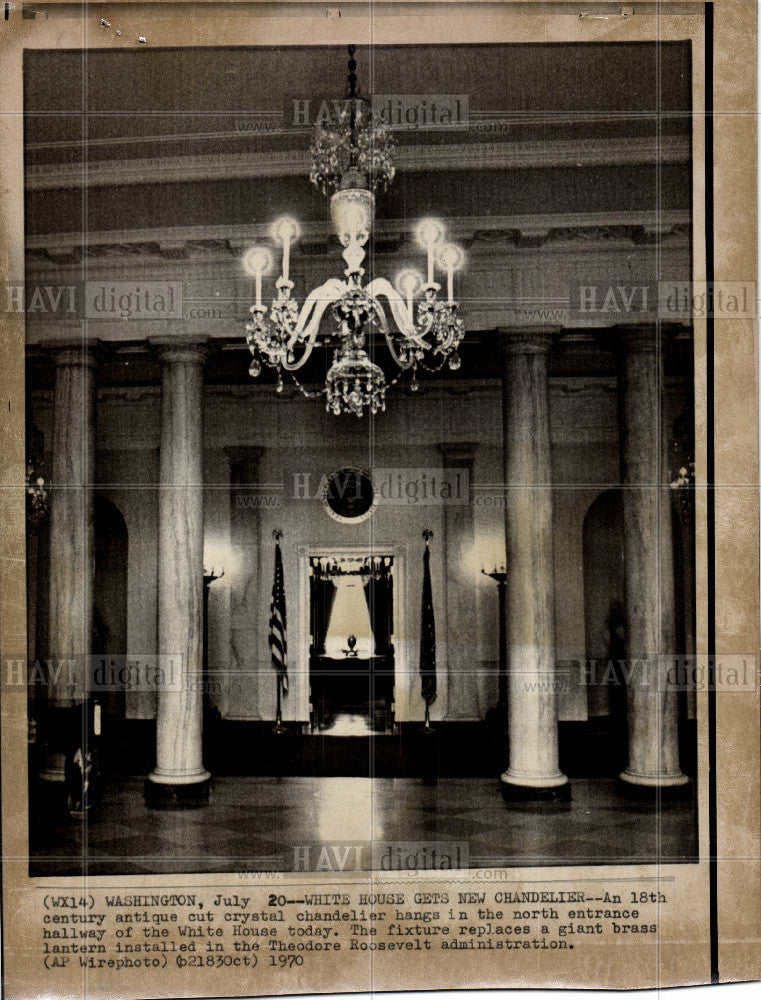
[[485, 555], [498, 573], [217, 557]]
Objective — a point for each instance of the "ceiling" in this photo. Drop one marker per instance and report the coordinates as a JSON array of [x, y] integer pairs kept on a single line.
[[141, 151], [212, 110], [149, 95]]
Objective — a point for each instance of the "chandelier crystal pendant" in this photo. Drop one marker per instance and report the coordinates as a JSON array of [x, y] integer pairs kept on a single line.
[[350, 162]]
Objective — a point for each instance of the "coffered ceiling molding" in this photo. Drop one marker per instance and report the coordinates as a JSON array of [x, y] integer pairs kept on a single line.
[[291, 163], [482, 234]]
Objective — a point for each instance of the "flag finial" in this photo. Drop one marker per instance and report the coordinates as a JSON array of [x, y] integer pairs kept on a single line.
[[277, 534], [427, 535]]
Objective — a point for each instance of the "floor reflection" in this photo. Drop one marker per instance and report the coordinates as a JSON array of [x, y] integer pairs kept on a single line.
[[254, 824]]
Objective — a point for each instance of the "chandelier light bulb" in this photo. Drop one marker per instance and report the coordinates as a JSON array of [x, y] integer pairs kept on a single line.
[[428, 233], [408, 284], [258, 261], [285, 231], [451, 259]]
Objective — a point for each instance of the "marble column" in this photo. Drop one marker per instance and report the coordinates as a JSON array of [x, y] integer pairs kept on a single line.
[[648, 564], [179, 778], [533, 771], [247, 601], [461, 621], [71, 556]]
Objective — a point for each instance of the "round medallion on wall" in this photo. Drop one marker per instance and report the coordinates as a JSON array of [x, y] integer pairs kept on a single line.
[[349, 495]]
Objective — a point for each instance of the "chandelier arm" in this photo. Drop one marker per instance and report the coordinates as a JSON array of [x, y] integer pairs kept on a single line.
[[402, 318], [398, 359], [313, 309], [317, 302], [308, 348], [380, 312]]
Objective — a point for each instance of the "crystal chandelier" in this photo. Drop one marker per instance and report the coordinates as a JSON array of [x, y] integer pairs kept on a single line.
[[350, 162]]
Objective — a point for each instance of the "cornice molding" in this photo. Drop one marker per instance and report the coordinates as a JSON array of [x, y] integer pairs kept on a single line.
[[577, 153], [270, 123], [482, 234]]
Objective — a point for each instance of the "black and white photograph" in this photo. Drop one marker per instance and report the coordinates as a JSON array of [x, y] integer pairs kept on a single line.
[[360, 432]]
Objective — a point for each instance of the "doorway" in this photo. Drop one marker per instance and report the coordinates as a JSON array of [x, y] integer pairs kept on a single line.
[[351, 653]]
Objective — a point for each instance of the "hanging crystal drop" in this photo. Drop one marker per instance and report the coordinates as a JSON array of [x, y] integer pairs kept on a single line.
[[455, 361], [254, 369], [279, 386]]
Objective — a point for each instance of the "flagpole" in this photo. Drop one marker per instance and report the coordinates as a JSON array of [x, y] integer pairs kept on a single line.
[[278, 728], [427, 729]]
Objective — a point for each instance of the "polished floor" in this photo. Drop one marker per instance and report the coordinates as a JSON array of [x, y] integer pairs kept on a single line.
[[254, 824]]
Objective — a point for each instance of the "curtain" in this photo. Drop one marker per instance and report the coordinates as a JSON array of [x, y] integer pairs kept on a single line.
[[323, 593], [378, 594]]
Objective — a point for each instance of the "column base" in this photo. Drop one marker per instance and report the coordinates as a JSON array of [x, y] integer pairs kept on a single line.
[[520, 789], [64, 729], [649, 788], [164, 794], [54, 768]]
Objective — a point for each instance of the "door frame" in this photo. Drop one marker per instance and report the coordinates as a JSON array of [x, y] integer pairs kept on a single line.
[[400, 639]]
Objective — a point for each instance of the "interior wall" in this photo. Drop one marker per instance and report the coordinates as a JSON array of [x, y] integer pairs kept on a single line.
[[408, 436]]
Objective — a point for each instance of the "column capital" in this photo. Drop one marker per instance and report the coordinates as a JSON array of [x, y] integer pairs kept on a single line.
[[173, 350], [528, 339], [644, 337], [462, 452], [637, 338], [77, 354]]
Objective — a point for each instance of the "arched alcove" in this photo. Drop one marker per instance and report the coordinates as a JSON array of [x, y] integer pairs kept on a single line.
[[603, 546]]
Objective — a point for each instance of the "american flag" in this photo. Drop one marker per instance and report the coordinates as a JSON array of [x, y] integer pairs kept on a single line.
[[278, 644], [427, 635]]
